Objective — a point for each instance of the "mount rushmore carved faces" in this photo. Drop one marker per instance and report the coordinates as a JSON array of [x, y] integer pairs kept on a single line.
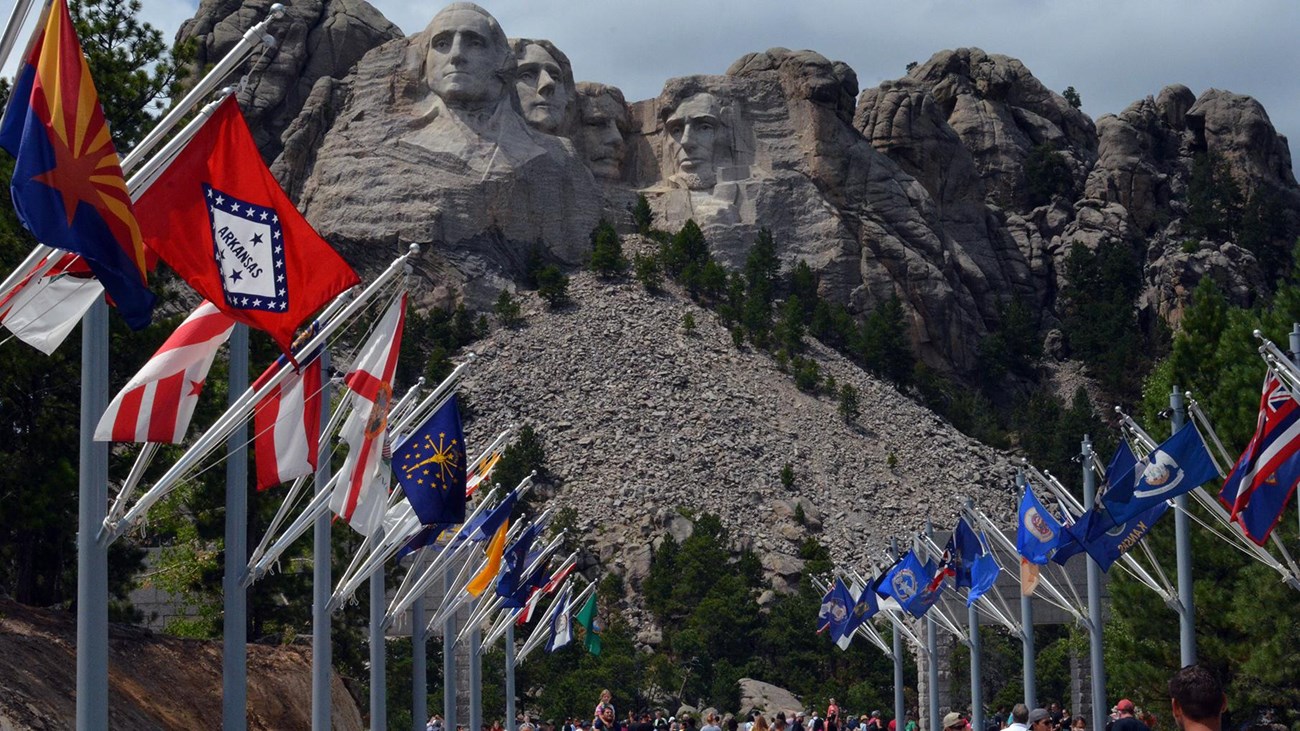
[[693, 129], [604, 119], [469, 58], [544, 82]]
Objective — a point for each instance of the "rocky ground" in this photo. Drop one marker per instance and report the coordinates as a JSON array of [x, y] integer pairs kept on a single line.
[[643, 421], [155, 682]]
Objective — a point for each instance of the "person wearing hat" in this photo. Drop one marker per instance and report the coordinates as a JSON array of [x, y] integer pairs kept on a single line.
[[1125, 720], [953, 722], [1040, 719]]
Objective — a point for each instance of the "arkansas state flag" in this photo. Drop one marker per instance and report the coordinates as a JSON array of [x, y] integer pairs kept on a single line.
[[219, 218], [158, 401], [286, 424]]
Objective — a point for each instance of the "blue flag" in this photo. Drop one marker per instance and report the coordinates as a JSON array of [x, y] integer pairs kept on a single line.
[[1106, 540], [931, 588], [905, 580], [67, 185], [866, 605], [965, 547], [834, 614], [1179, 465], [430, 466], [1037, 532], [517, 556], [438, 536], [984, 573]]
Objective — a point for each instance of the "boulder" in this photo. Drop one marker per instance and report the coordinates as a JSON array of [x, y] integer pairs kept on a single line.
[[768, 699]]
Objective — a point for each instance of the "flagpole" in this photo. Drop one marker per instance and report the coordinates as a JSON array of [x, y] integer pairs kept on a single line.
[[92, 558], [932, 649], [419, 659], [15, 26], [475, 679], [378, 687], [449, 654], [900, 708], [322, 649], [1183, 543], [1295, 358], [510, 675], [976, 662], [1027, 624], [234, 643], [1094, 598]]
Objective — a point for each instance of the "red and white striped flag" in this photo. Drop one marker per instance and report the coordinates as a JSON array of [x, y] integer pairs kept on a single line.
[[361, 496], [480, 474], [42, 311], [535, 597], [157, 403], [286, 424]]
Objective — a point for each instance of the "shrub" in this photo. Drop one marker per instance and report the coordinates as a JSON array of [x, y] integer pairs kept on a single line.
[[787, 476], [507, 309], [607, 258], [553, 286], [645, 267], [849, 405]]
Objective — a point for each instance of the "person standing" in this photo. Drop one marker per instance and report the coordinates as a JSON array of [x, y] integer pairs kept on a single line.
[[711, 723], [1197, 700], [1019, 718], [1125, 718]]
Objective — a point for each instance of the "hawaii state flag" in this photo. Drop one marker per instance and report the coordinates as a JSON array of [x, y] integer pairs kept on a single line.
[[67, 185], [158, 401], [218, 217], [1262, 481]]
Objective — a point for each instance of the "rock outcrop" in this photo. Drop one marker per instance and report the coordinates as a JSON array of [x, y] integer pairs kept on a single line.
[[639, 418], [315, 40], [956, 188]]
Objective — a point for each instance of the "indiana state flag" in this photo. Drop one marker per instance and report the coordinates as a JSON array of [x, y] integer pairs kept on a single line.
[[1179, 465], [67, 186], [430, 466]]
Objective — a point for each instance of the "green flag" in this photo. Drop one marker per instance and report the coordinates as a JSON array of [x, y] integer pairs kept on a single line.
[[587, 618]]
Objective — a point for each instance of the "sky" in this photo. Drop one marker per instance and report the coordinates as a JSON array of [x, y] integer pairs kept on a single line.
[[1114, 53]]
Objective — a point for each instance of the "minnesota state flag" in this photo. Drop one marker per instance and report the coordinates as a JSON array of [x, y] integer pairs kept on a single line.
[[67, 186], [430, 466]]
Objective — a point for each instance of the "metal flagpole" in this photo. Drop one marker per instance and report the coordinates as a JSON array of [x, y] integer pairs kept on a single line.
[[1295, 357], [900, 708], [322, 652], [475, 680], [1183, 542], [92, 506], [419, 660], [932, 650], [510, 675], [1027, 626], [234, 643], [976, 662], [1094, 599], [378, 689], [449, 654]]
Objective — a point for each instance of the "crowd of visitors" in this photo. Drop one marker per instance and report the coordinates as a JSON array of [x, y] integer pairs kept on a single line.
[[1196, 699]]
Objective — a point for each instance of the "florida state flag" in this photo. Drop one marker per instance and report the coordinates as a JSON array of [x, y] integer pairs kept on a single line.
[[219, 218]]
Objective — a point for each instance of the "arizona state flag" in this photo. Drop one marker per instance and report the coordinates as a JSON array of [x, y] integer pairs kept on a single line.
[[219, 218], [67, 185]]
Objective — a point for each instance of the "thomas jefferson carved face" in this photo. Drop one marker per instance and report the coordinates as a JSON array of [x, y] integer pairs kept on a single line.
[[600, 137], [542, 91], [693, 128], [467, 53]]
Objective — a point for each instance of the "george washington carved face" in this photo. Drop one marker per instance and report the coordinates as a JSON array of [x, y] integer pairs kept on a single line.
[[468, 57]]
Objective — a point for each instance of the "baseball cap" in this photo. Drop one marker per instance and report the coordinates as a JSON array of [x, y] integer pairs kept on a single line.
[[952, 719], [1038, 714], [1125, 705]]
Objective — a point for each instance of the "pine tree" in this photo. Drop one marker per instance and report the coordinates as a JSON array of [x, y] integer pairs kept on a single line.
[[607, 258]]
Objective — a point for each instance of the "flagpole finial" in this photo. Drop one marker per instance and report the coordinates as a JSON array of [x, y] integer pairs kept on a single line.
[[1257, 334], [277, 10], [414, 249]]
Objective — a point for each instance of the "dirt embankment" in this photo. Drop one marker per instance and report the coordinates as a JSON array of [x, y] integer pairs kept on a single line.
[[155, 682]]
